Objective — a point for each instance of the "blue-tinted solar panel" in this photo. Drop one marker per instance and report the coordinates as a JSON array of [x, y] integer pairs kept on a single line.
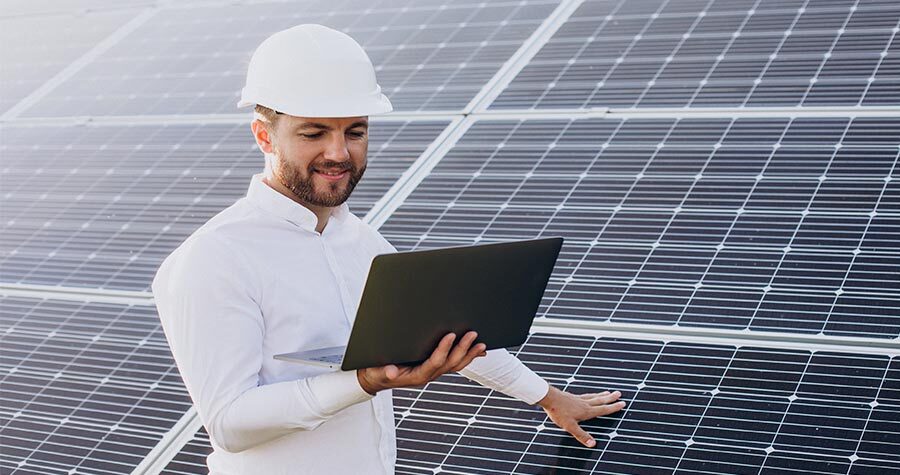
[[102, 206], [766, 224], [691, 408], [86, 387], [428, 56], [659, 53]]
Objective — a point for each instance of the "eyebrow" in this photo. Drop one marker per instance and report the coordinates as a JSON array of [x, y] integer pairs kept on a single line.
[[319, 126]]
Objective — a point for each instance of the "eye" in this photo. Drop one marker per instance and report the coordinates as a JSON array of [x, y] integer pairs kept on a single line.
[[356, 134], [312, 136]]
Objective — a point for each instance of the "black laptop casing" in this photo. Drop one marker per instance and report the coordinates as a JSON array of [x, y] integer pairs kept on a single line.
[[412, 299]]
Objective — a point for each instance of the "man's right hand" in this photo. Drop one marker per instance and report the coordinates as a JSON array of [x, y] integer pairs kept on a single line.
[[444, 359]]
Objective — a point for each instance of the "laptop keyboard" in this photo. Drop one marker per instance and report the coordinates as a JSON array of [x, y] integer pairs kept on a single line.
[[336, 359]]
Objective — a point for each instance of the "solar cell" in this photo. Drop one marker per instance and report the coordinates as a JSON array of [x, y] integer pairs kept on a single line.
[[658, 53], [102, 206], [667, 221], [193, 59], [88, 387]]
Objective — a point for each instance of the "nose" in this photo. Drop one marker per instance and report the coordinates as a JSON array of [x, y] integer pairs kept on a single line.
[[337, 150]]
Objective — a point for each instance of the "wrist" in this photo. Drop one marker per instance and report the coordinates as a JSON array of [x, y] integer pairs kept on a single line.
[[551, 396], [364, 383]]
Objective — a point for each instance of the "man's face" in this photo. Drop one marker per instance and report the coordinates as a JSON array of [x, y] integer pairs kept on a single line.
[[320, 160]]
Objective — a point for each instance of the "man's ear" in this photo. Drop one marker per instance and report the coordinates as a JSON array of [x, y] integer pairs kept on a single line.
[[261, 134]]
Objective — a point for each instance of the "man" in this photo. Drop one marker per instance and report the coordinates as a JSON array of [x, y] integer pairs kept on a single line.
[[282, 270]]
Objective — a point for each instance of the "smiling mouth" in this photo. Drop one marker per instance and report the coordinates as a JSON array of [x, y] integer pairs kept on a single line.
[[332, 174]]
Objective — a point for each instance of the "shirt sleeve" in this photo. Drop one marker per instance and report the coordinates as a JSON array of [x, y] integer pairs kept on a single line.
[[501, 371], [207, 298]]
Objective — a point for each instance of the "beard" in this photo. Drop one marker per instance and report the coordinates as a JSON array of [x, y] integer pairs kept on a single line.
[[301, 184]]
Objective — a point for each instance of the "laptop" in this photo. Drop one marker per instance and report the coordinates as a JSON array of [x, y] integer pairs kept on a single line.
[[412, 299]]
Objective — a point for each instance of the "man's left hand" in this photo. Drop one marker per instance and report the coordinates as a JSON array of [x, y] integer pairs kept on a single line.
[[566, 410]]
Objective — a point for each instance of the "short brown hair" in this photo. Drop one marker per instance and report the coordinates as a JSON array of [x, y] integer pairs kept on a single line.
[[267, 115]]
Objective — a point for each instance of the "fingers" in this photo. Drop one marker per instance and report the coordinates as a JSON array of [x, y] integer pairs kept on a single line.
[[439, 356], [607, 409], [582, 436], [474, 352], [592, 395], [460, 352], [605, 397]]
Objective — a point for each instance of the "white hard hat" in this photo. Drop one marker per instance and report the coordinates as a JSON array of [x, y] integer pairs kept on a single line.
[[313, 71]]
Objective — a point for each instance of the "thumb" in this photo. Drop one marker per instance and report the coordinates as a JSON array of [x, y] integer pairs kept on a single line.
[[581, 435], [391, 372]]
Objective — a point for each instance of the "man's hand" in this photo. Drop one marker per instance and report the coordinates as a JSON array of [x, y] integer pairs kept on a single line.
[[444, 359], [566, 410]]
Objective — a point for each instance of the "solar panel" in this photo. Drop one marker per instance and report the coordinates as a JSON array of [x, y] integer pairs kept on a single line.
[[193, 60], [191, 458], [89, 387], [659, 53], [766, 224], [691, 408], [106, 204], [30, 57]]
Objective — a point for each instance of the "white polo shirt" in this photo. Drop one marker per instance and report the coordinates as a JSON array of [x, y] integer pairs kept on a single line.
[[257, 280]]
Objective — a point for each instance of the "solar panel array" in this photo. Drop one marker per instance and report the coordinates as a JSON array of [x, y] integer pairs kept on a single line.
[[87, 387], [766, 224], [193, 60], [104, 205], [30, 58], [749, 223], [701, 53], [692, 408]]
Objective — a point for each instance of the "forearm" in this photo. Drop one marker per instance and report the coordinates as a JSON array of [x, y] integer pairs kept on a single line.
[[503, 372], [265, 413]]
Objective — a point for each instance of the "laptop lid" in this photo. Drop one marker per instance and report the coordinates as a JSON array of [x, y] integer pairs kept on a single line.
[[411, 299]]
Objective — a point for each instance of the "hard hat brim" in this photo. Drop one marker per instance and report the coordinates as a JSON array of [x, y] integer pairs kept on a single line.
[[345, 106]]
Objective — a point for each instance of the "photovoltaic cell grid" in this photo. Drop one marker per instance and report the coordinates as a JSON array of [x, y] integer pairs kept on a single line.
[[102, 206], [192, 457], [766, 224], [30, 57], [428, 55], [690, 408], [90, 387], [700, 53]]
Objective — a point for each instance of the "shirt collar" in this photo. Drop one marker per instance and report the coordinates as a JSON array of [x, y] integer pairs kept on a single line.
[[269, 199]]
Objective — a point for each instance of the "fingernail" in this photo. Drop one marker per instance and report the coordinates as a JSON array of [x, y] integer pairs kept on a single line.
[[591, 443]]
